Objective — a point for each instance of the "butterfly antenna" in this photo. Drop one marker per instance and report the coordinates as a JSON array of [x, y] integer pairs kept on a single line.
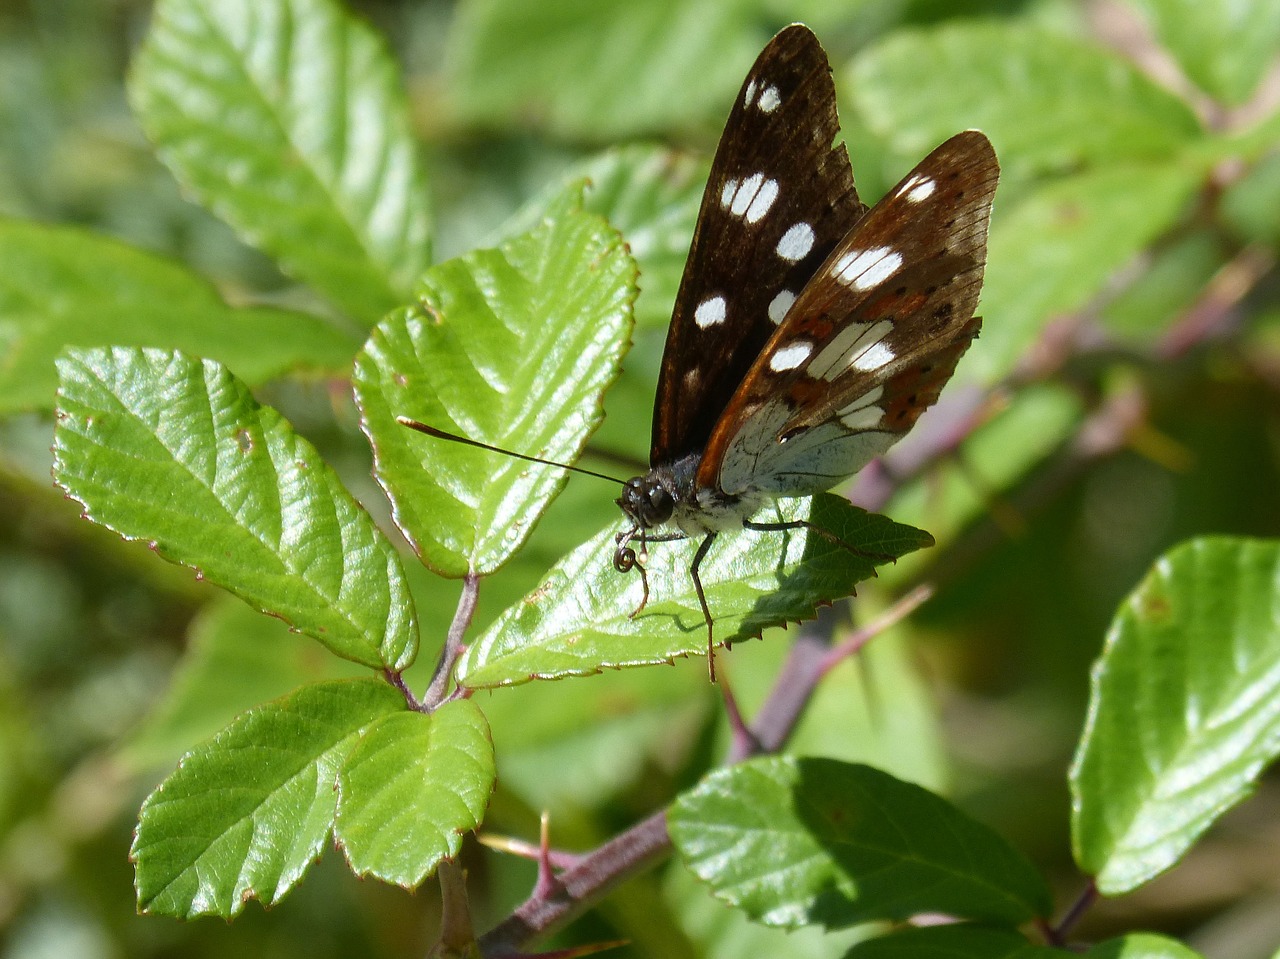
[[455, 438]]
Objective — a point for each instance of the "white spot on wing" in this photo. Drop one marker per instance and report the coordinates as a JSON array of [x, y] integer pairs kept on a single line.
[[866, 418], [710, 312], [846, 346], [779, 305], [762, 201], [866, 399], [752, 199], [749, 94], [867, 268], [872, 359], [769, 99], [790, 356], [796, 242], [746, 193], [726, 194], [921, 191]]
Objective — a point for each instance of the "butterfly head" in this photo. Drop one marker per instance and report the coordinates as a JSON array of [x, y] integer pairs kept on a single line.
[[647, 502]]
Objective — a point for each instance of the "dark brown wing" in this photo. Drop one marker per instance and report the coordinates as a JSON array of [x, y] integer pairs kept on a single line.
[[871, 339], [779, 198]]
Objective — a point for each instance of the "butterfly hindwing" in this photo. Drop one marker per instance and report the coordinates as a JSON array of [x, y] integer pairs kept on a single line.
[[870, 340], [779, 198]]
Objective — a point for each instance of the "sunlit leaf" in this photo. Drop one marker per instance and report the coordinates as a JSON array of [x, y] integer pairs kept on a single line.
[[1184, 712], [246, 813], [411, 789], [285, 118], [650, 195], [579, 620], [511, 346], [176, 452]]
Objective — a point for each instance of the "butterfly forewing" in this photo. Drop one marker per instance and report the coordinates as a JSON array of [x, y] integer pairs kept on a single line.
[[871, 338], [779, 198]]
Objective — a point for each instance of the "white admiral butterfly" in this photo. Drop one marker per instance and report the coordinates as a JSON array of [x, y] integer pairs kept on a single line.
[[809, 332]]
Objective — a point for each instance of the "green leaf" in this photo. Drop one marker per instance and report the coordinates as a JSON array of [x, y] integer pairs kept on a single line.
[[175, 451], [578, 621], [1184, 711], [650, 195], [1056, 249], [1047, 101], [1176, 274], [1223, 46], [246, 813], [410, 790], [1247, 203], [799, 841], [719, 933], [961, 941], [235, 659], [62, 286], [511, 347], [1005, 448], [601, 737], [285, 119], [878, 708], [600, 71], [1141, 945]]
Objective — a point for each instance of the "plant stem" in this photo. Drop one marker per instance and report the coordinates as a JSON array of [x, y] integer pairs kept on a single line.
[[453, 642], [576, 890]]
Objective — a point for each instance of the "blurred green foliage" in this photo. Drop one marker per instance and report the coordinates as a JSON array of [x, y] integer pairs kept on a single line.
[[1132, 333]]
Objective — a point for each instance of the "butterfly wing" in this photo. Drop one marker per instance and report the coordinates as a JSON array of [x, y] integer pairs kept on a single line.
[[779, 198], [871, 339]]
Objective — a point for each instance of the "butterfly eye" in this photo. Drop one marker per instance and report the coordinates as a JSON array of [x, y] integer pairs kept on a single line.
[[661, 505], [646, 501]]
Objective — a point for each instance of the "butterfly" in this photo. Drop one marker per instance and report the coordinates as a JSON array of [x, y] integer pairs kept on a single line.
[[809, 332]]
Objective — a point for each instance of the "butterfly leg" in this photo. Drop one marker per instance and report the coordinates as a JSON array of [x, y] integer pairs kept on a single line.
[[829, 536], [626, 559], [702, 601]]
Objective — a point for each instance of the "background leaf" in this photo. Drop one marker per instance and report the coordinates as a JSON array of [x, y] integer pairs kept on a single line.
[[285, 118], [174, 451], [649, 194], [799, 841], [511, 347], [1184, 711], [1141, 945], [235, 659], [62, 286], [1226, 48], [1056, 248], [246, 813], [1048, 101], [413, 786], [960, 941], [579, 621], [600, 70]]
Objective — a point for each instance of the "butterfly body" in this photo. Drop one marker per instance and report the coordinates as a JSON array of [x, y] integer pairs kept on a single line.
[[809, 332]]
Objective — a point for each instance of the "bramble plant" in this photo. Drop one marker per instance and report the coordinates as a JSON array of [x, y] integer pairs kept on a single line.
[[1128, 239]]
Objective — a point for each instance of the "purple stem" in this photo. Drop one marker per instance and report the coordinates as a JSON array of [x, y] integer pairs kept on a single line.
[[453, 642]]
